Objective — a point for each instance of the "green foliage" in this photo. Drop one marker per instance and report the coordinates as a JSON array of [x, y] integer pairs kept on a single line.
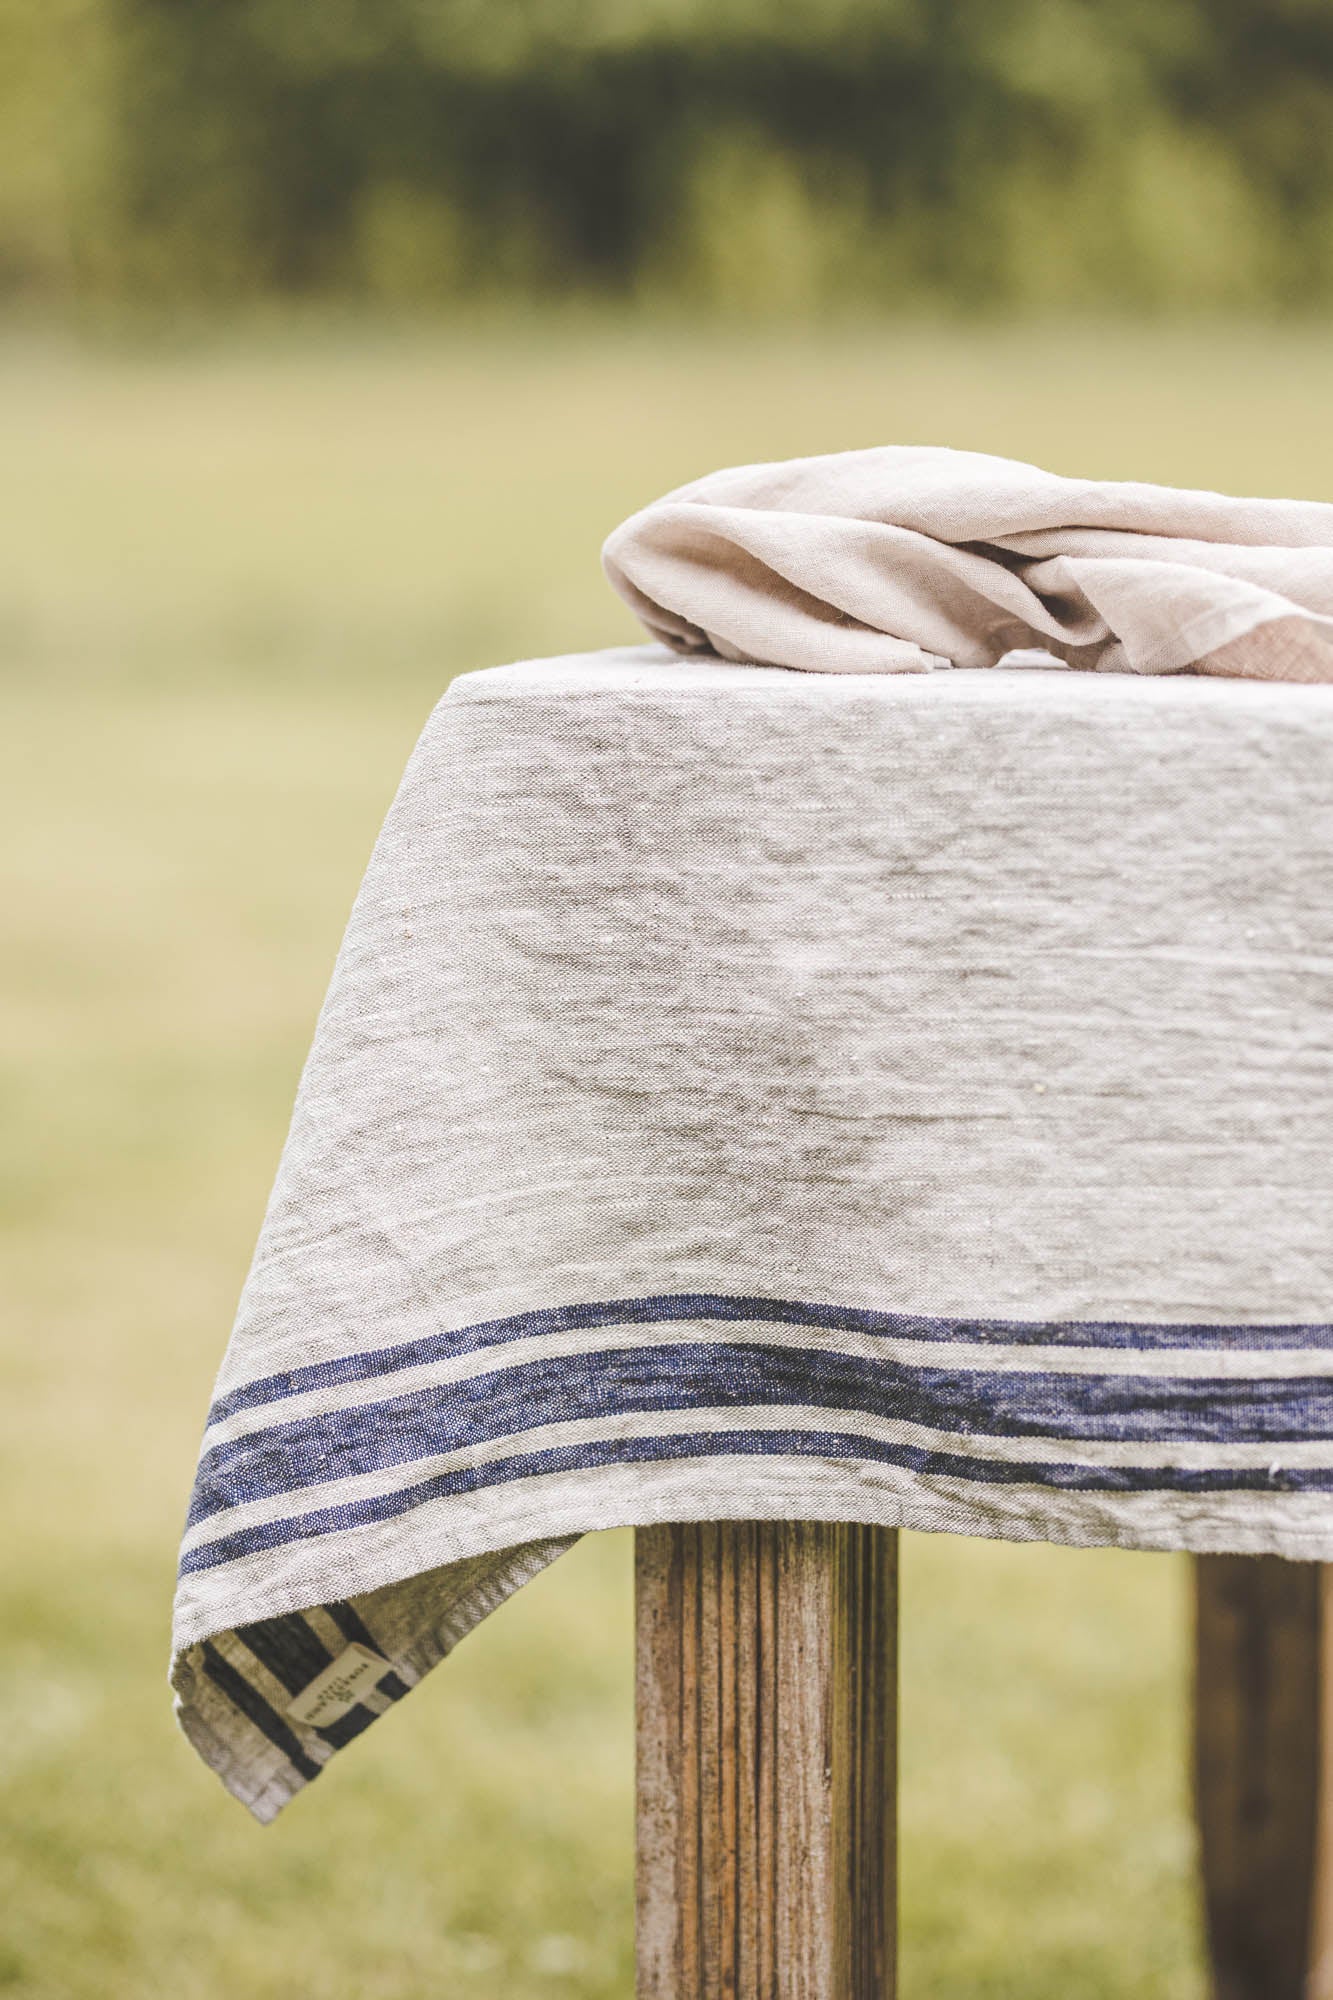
[[957, 152], [54, 104]]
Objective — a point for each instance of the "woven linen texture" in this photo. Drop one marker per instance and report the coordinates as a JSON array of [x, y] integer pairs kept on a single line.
[[744, 1093]]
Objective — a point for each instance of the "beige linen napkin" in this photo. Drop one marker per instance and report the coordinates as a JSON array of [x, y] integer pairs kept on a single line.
[[903, 558]]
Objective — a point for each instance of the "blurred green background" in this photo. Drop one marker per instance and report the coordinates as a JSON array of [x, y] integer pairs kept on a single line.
[[332, 341], [732, 152]]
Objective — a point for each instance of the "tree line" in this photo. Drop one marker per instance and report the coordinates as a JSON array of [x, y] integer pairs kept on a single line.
[[738, 154]]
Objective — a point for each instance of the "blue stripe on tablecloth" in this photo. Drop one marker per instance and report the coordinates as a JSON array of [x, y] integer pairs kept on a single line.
[[786, 1444], [354, 1628], [294, 1654], [242, 1695], [670, 1306], [1136, 1409]]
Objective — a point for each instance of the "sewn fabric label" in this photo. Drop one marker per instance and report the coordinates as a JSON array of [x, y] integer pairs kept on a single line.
[[337, 1691]]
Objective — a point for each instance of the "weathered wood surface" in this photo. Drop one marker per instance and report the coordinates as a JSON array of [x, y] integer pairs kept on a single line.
[[1262, 1732], [767, 1739]]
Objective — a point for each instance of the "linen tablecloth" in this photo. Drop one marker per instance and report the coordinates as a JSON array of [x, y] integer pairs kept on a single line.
[[742, 1093]]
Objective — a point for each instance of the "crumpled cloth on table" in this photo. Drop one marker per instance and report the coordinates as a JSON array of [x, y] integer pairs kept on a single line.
[[907, 557]]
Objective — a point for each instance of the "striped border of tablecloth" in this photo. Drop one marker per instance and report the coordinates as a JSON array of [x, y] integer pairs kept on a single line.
[[1102, 1406], [1105, 1407]]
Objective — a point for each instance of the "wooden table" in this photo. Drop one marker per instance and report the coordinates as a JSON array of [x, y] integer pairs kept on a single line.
[[767, 1704]]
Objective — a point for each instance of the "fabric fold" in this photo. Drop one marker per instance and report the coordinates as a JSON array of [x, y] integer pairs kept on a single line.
[[905, 558]]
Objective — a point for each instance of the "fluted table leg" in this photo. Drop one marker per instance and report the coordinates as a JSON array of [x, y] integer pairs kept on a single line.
[[767, 1711]]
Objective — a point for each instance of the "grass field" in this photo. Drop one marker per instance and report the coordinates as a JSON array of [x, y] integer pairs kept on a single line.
[[234, 577]]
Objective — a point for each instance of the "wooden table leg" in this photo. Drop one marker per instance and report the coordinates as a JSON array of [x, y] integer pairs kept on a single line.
[[767, 1737], [1262, 1732]]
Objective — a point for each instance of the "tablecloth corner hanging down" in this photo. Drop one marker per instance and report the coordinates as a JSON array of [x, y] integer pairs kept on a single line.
[[758, 1081]]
